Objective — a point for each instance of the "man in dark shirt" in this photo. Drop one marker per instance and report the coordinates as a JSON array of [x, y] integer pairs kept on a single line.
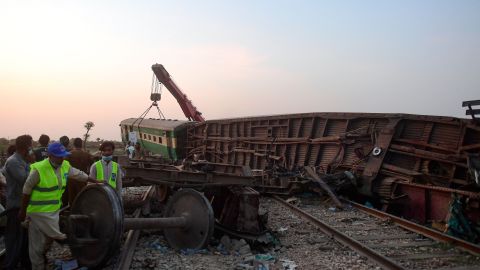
[[11, 150], [3, 182], [65, 141], [41, 151], [81, 160], [139, 153], [16, 170]]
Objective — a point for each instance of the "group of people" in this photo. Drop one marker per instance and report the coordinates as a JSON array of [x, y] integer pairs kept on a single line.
[[134, 151], [36, 181]]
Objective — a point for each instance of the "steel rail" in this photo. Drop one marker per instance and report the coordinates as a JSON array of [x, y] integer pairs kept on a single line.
[[417, 228], [132, 236], [372, 255]]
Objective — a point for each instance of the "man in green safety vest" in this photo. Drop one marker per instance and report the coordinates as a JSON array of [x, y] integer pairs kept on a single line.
[[41, 201], [106, 169]]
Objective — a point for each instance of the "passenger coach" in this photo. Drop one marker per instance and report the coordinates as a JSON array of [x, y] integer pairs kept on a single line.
[[161, 137]]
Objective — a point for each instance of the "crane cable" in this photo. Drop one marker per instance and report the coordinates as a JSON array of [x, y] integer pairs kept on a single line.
[[155, 95]]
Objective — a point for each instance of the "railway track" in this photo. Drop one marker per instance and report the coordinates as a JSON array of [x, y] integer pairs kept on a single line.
[[131, 239], [381, 240]]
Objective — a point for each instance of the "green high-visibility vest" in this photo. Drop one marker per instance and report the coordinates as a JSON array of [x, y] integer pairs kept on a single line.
[[112, 180], [47, 194]]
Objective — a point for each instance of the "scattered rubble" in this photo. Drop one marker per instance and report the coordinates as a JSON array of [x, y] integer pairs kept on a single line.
[[296, 245]]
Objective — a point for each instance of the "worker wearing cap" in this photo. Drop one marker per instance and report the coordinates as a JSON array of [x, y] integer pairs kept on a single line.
[[41, 201], [106, 169]]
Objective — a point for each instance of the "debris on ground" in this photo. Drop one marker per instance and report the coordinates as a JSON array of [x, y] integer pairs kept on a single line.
[[158, 246], [288, 264], [293, 200], [66, 265]]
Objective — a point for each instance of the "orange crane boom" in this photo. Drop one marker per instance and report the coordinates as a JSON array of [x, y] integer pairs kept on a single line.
[[188, 109]]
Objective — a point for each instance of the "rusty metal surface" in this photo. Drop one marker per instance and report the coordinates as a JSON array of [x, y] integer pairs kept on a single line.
[[471, 195], [237, 209], [379, 151], [423, 204], [192, 178], [234, 201], [192, 206], [155, 223], [309, 170], [385, 152], [95, 225], [433, 147], [321, 139]]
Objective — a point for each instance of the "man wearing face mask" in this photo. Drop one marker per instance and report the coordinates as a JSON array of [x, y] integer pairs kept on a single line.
[[106, 169], [41, 201], [16, 170]]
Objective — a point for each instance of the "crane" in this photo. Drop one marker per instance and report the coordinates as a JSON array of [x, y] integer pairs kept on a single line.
[[188, 109]]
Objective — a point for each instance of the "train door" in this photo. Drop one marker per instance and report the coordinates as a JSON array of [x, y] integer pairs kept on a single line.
[[170, 145]]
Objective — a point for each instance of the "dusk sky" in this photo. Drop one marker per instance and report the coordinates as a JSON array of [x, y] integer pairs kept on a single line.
[[63, 63]]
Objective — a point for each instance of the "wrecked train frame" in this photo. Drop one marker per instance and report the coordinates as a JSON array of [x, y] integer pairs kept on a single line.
[[412, 165]]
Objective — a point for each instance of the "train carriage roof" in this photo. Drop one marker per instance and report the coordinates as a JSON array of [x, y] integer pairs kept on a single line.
[[164, 124]]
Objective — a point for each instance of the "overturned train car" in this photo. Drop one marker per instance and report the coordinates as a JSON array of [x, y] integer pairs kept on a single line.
[[412, 165]]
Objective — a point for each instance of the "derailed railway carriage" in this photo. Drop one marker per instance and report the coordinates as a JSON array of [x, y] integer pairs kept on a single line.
[[411, 165], [162, 137]]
